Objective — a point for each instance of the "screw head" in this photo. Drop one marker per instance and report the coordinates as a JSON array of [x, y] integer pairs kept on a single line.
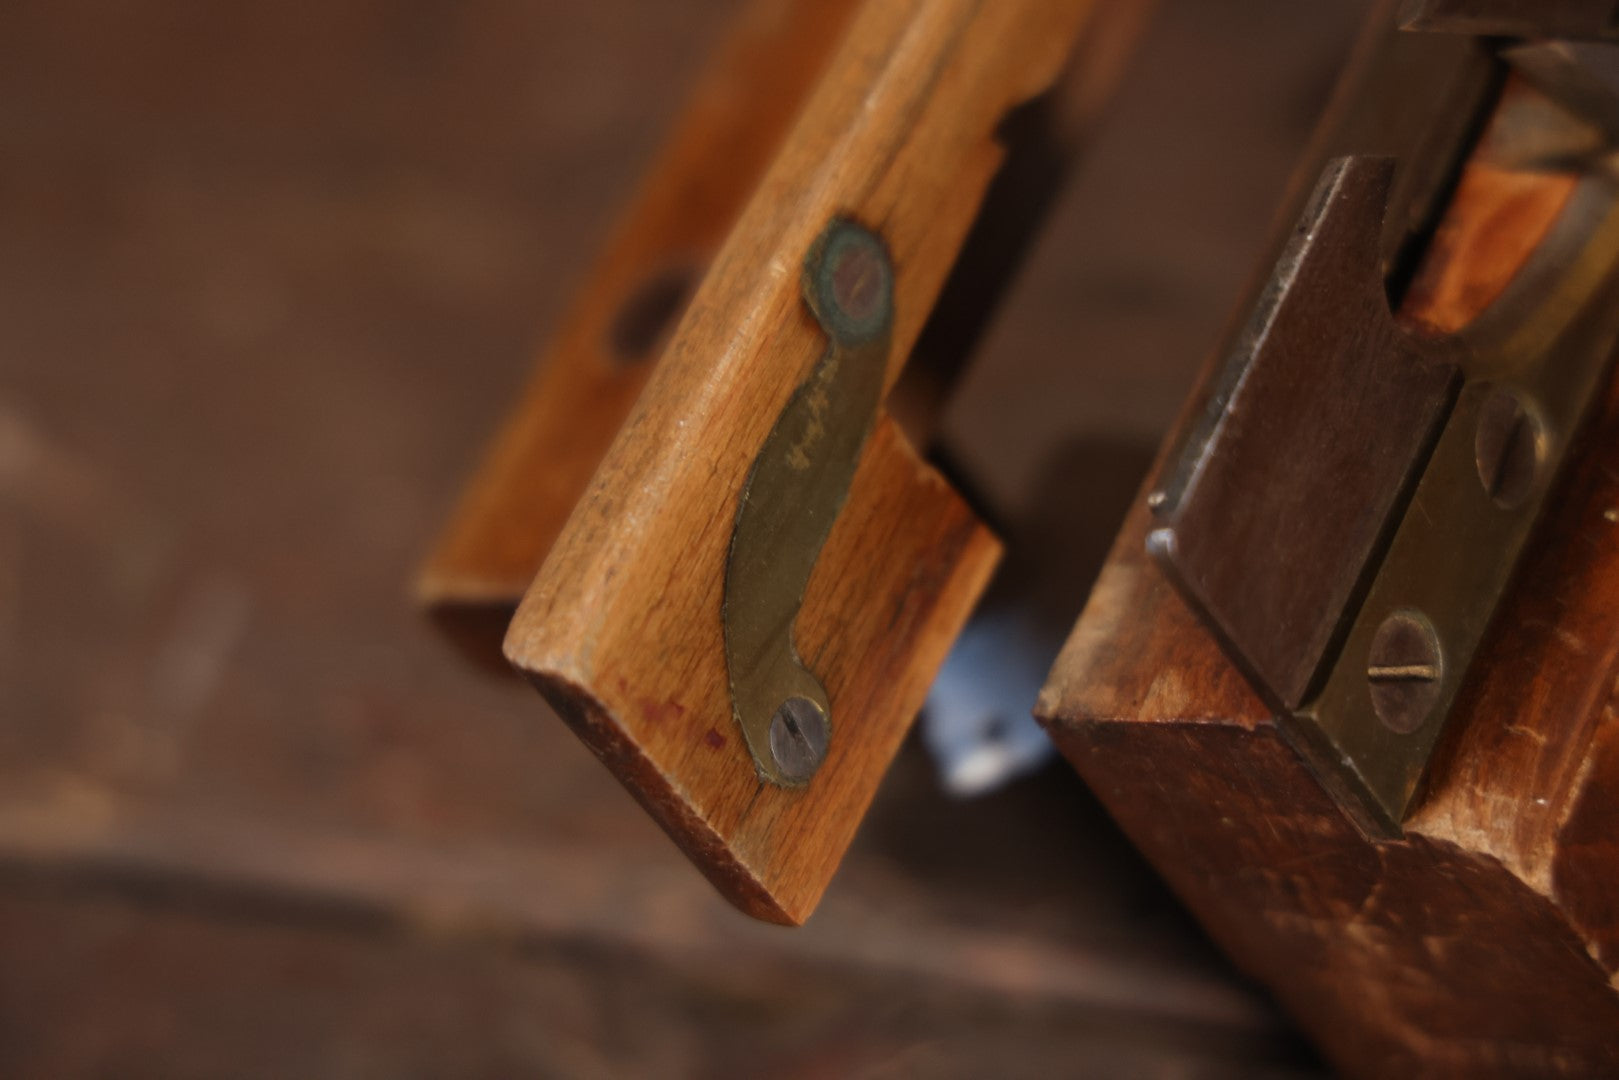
[[1508, 448], [1405, 671], [798, 733], [858, 279], [851, 283]]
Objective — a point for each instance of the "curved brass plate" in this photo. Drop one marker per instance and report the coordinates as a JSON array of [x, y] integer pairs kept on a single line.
[[793, 494]]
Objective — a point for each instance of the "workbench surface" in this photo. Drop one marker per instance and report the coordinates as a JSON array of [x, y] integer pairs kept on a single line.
[[270, 274]]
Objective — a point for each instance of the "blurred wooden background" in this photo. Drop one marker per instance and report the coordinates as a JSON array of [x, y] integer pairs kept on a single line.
[[269, 275]]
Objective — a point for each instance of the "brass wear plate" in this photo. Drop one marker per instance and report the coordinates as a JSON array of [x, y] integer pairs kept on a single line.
[[1350, 521], [793, 494], [1537, 358]]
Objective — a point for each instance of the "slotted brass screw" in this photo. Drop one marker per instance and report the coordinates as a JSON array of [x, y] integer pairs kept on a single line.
[[1405, 671], [1508, 449], [798, 738]]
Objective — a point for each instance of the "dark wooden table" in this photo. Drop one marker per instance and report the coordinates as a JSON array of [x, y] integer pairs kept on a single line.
[[268, 275]]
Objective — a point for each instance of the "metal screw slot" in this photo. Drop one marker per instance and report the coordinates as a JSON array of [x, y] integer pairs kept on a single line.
[[798, 738], [793, 495], [1508, 448], [859, 281], [1405, 671], [850, 284]]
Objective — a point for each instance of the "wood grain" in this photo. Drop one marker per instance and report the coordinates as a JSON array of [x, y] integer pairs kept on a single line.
[[590, 376], [1483, 942], [622, 627], [336, 228], [1327, 393]]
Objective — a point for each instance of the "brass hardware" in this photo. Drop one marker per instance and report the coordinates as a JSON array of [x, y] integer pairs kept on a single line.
[[798, 734], [1402, 528], [1509, 449], [1537, 358], [793, 494], [1404, 671]]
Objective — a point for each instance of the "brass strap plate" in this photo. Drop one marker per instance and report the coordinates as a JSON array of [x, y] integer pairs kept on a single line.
[[793, 494]]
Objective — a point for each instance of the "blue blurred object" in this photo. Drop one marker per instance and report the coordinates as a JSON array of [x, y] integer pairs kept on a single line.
[[979, 722]]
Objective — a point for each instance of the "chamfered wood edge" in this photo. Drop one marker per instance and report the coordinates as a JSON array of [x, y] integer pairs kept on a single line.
[[961, 554], [628, 603], [1359, 936], [1408, 955], [1209, 790], [592, 722]]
